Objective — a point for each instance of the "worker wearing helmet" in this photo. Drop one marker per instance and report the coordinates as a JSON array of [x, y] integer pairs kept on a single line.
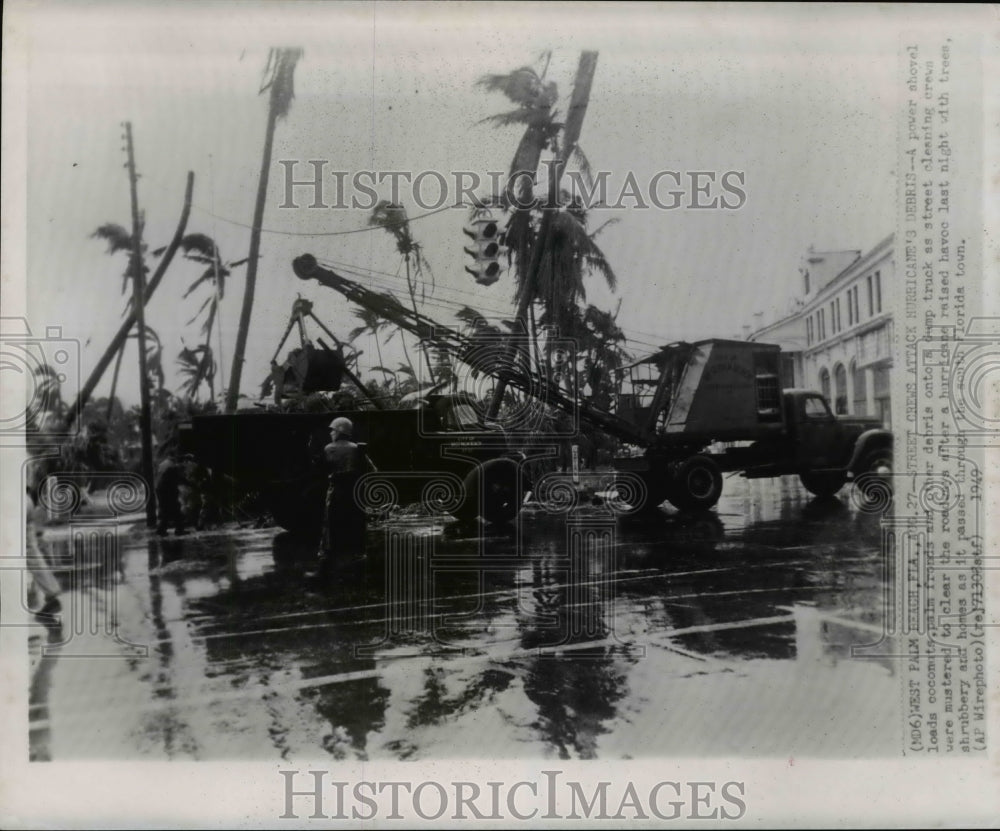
[[345, 521]]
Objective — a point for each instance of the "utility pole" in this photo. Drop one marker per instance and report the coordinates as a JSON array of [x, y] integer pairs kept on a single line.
[[571, 134], [138, 304]]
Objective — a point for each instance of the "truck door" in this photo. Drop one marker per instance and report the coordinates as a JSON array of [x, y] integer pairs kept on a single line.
[[817, 433]]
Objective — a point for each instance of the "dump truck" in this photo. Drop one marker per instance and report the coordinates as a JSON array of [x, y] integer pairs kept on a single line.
[[438, 452], [690, 412], [700, 410]]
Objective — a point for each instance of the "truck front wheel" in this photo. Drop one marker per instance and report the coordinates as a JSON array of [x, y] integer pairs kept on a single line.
[[878, 462], [697, 484], [826, 483]]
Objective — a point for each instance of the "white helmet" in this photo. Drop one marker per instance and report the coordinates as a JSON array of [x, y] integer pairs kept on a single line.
[[342, 426]]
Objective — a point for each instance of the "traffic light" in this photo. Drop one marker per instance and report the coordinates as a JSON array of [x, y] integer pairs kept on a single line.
[[487, 248]]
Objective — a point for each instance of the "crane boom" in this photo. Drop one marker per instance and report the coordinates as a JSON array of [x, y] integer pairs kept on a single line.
[[520, 375]]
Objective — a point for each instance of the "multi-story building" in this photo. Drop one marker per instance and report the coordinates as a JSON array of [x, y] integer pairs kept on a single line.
[[838, 338]]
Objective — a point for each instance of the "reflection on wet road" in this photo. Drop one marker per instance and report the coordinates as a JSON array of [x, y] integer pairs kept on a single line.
[[570, 635]]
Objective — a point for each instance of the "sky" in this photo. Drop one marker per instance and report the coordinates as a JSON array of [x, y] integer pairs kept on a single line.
[[801, 101]]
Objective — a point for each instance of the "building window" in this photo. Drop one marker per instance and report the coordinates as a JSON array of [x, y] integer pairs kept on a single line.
[[824, 383], [822, 324], [840, 390], [878, 292], [871, 297], [852, 306], [809, 330], [880, 395], [860, 391]]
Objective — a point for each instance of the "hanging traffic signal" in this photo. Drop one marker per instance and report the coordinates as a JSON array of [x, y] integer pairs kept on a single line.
[[487, 248]]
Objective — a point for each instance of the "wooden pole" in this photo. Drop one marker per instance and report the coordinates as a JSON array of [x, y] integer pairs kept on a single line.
[[139, 304], [571, 134]]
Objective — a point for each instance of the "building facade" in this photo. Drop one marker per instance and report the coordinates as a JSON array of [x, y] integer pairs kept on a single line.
[[838, 338]]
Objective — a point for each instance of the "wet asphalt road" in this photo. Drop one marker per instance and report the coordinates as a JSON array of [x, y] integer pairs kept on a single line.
[[572, 634]]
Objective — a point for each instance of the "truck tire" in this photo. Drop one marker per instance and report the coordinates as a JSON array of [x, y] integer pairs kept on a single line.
[[878, 462], [654, 494], [873, 479], [493, 491], [826, 483], [697, 484]]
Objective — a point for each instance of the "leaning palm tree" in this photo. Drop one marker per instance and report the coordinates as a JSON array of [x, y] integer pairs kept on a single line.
[[279, 79]]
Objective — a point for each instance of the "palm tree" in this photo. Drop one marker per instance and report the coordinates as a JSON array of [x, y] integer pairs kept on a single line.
[[118, 239], [279, 78], [371, 324], [197, 365], [201, 249], [571, 254], [392, 218]]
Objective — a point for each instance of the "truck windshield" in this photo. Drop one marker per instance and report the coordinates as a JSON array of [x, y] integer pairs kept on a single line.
[[461, 417], [815, 408]]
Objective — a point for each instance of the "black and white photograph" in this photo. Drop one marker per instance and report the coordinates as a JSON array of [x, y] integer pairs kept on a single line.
[[497, 413]]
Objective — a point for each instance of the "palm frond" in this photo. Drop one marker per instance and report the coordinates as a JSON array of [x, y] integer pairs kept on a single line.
[[206, 277], [522, 86], [117, 238], [580, 159], [280, 79], [392, 217], [524, 115], [208, 301], [613, 221], [200, 244]]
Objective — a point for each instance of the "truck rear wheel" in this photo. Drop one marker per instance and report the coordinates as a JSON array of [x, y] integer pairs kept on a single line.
[[826, 483], [493, 491], [697, 484], [653, 493]]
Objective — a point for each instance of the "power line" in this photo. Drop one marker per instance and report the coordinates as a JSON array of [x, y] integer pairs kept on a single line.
[[363, 230]]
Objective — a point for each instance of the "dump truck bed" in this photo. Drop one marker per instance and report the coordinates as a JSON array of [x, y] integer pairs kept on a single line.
[[712, 390]]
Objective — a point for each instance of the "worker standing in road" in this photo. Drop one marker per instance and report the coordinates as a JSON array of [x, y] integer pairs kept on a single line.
[[169, 478], [345, 522], [38, 562]]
